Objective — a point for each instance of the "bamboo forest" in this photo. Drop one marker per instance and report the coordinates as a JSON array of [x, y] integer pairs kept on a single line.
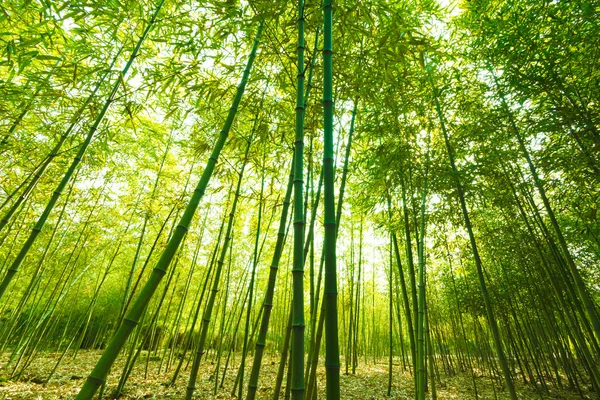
[[308, 199]]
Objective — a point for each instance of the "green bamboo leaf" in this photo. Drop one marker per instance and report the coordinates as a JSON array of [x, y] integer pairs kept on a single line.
[[48, 57]]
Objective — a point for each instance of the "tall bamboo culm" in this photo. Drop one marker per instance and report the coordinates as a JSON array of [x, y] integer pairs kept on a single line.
[[297, 364], [332, 353], [98, 376]]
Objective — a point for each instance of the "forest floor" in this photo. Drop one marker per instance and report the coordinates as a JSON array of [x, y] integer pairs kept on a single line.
[[369, 383]]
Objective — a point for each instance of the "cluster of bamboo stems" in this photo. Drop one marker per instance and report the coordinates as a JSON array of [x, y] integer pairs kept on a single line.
[[137, 328]]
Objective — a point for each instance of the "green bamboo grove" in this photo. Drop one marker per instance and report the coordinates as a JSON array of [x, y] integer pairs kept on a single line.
[[299, 200]]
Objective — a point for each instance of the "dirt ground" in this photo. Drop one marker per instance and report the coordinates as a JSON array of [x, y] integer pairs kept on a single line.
[[369, 383]]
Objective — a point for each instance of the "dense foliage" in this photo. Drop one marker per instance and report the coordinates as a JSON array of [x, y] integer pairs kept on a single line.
[[445, 187]]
